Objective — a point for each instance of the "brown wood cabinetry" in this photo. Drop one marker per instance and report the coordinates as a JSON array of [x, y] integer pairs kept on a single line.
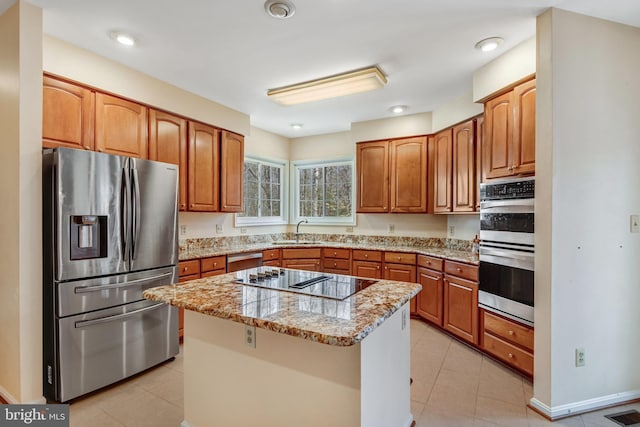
[[336, 260], [68, 112], [121, 126], [509, 140], [168, 143], [187, 270], [392, 176], [271, 257], [204, 168], [507, 340], [442, 163], [461, 300], [213, 266], [401, 266], [464, 186], [366, 263], [302, 259], [408, 175], [372, 164], [231, 172], [431, 299]]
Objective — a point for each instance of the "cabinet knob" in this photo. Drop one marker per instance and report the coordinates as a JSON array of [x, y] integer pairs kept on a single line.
[[335, 264], [191, 205], [185, 269], [399, 258], [334, 254], [366, 255], [86, 147], [458, 269], [510, 355], [215, 263], [510, 332], [100, 150], [386, 268], [377, 267], [428, 262]]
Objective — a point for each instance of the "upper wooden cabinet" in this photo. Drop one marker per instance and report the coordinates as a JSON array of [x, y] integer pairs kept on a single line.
[[392, 176], [442, 163], [68, 113], [204, 168], [372, 164], [464, 168], [231, 172], [168, 143], [408, 175], [509, 140], [121, 126]]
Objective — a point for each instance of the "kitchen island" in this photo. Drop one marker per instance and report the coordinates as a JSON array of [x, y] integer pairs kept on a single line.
[[316, 362]]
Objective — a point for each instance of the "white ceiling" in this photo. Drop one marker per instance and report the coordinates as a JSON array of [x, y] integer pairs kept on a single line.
[[231, 52]]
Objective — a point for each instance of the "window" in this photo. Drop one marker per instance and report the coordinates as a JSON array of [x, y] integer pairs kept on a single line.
[[263, 191], [324, 192]]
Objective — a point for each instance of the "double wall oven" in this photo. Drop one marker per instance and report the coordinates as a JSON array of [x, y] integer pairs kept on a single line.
[[507, 248]]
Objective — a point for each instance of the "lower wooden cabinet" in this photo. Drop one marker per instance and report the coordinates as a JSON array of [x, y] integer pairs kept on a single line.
[[271, 258], [461, 300], [302, 259], [369, 269], [431, 299], [336, 260], [507, 340]]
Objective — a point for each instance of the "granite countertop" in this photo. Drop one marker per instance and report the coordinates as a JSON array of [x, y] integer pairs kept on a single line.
[[451, 254], [339, 323]]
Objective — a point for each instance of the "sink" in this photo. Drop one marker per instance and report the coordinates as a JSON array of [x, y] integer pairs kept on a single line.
[[293, 242]]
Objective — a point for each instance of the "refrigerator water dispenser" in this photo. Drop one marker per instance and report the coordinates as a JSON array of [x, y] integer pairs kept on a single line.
[[88, 237]]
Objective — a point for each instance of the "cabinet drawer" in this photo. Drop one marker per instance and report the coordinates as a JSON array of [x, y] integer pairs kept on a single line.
[[213, 263], [183, 279], [335, 253], [459, 269], [270, 254], [509, 353], [186, 268], [365, 255], [400, 258], [430, 262], [301, 253], [272, 263], [340, 264], [211, 273], [508, 330]]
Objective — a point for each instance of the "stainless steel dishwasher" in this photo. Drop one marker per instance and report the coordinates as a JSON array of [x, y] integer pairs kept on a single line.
[[243, 261]]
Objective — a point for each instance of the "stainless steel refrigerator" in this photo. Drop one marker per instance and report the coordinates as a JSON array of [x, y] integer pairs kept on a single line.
[[109, 233]]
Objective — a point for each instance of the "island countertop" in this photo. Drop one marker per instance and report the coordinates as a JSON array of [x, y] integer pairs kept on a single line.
[[333, 322]]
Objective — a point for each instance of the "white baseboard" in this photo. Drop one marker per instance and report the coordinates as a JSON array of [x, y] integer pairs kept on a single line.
[[185, 423], [7, 396], [583, 406]]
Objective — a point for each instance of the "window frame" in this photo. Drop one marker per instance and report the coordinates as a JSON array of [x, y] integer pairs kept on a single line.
[[295, 191], [283, 219]]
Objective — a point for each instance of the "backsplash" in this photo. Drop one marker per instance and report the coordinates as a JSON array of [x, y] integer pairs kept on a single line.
[[234, 241]]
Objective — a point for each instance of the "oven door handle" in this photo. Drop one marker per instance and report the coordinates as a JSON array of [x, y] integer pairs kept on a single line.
[[523, 256], [518, 203]]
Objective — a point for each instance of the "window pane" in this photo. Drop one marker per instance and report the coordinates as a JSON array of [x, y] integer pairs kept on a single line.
[[325, 191], [261, 189]]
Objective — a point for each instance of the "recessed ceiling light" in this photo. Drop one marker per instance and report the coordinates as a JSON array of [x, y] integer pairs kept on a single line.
[[123, 38], [397, 109], [296, 126], [280, 9], [489, 44]]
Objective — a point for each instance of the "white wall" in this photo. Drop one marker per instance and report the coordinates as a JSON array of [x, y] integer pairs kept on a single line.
[[456, 111], [21, 215], [587, 270], [505, 70], [323, 147], [394, 127], [465, 226]]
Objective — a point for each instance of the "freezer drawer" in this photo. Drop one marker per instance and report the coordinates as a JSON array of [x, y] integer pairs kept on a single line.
[[99, 348], [81, 296]]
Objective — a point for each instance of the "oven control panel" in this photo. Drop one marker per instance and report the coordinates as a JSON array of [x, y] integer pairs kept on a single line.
[[516, 189]]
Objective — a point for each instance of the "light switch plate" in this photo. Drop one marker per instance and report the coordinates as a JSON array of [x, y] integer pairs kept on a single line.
[[218, 228], [250, 336], [635, 223]]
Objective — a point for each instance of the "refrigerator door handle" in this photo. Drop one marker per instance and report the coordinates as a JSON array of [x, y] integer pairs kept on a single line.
[[135, 211], [124, 214], [86, 323], [94, 288]]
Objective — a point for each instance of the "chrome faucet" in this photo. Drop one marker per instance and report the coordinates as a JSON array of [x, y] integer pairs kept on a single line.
[[306, 221]]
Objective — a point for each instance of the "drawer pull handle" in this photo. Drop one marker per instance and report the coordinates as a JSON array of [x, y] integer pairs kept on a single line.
[[185, 269], [334, 254], [458, 269], [377, 267], [510, 355], [335, 265], [510, 332], [366, 255], [399, 258]]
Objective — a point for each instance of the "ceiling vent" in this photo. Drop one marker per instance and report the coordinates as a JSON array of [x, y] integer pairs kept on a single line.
[[280, 9]]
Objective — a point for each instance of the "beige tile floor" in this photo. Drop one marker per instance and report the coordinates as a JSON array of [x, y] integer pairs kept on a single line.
[[453, 385]]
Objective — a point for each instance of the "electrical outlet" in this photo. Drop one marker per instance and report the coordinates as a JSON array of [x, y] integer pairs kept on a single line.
[[250, 336], [635, 223], [218, 228], [404, 319], [243, 230], [183, 229], [580, 357], [452, 230], [391, 228]]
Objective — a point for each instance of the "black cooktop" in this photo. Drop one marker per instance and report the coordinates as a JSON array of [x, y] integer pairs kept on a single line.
[[334, 286]]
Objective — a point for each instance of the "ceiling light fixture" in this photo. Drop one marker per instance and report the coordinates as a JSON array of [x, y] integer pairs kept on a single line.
[[489, 44], [348, 83], [296, 126], [123, 38], [398, 109], [279, 9]]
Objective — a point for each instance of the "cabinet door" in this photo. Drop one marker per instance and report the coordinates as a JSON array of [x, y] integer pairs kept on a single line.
[[479, 143], [372, 164], [302, 264], [524, 137], [496, 153], [461, 308], [67, 115], [442, 163], [431, 298], [204, 168], [168, 143], [121, 127], [408, 175], [464, 167], [400, 272], [366, 269], [231, 172]]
